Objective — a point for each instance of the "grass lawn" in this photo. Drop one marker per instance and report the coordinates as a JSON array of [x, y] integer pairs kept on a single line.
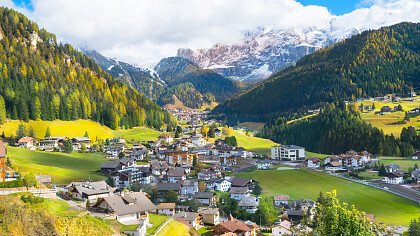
[[389, 122], [204, 231], [404, 164], [252, 126], [369, 175], [137, 134], [156, 221], [64, 168], [254, 144], [174, 228], [314, 154], [303, 183]]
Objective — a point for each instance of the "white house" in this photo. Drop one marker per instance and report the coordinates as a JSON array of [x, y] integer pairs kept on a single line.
[[128, 207], [416, 155], [26, 142], [249, 204], [284, 228], [238, 193], [222, 185], [89, 190], [264, 165], [288, 152], [334, 166], [393, 178], [281, 200], [166, 209], [313, 163]]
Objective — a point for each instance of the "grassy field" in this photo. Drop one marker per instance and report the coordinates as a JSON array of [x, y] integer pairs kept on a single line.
[[78, 128], [63, 167], [137, 134], [404, 164], [156, 221], [75, 128], [314, 154], [254, 144], [304, 183], [389, 122], [252, 126], [174, 228]]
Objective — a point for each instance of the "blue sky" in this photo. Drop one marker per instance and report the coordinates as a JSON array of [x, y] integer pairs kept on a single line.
[[24, 3], [337, 7]]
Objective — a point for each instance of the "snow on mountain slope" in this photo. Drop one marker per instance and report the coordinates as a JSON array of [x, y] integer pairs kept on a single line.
[[263, 51]]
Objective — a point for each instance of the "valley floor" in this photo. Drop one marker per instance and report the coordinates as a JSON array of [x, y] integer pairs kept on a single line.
[[304, 183]]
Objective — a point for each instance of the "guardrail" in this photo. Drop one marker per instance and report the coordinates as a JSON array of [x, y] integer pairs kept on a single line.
[[39, 192]]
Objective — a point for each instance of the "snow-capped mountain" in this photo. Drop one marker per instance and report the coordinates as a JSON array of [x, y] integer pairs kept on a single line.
[[262, 52], [144, 80]]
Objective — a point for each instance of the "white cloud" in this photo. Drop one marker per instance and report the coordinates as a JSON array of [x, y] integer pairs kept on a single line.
[[144, 31]]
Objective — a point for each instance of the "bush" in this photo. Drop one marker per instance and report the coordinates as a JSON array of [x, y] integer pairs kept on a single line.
[[31, 199], [12, 184]]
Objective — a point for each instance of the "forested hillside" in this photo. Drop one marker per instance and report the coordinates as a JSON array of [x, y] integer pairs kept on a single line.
[[336, 130], [177, 70], [370, 64], [140, 79], [42, 78], [187, 94]]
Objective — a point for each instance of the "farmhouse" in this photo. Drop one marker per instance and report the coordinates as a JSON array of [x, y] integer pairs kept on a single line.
[[210, 216], [284, 228], [189, 187], [50, 143], [416, 155], [249, 204], [126, 177], [128, 208], [393, 178], [113, 166], [26, 142], [176, 175], [206, 198], [234, 226], [166, 209], [238, 193], [281, 200], [191, 219], [78, 142], [89, 190], [288, 152], [313, 163], [386, 109]]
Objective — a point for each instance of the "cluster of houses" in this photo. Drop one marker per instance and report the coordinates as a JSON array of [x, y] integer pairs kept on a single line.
[[192, 117], [54, 143]]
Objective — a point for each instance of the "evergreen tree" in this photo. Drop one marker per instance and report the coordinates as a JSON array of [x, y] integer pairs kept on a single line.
[[48, 132], [31, 132], [67, 146], [86, 134], [414, 229], [21, 131], [2, 111]]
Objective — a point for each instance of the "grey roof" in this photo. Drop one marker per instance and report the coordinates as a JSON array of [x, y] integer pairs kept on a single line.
[[188, 216], [130, 203], [242, 190], [176, 172], [291, 147], [90, 188], [114, 164], [240, 182], [210, 211], [248, 202], [203, 195]]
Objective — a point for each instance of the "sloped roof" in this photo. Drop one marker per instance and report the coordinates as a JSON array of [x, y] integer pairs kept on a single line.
[[242, 190], [240, 182], [168, 186], [26, 140], [130, 203], [203, 195], [248, 202], [168, 205]]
